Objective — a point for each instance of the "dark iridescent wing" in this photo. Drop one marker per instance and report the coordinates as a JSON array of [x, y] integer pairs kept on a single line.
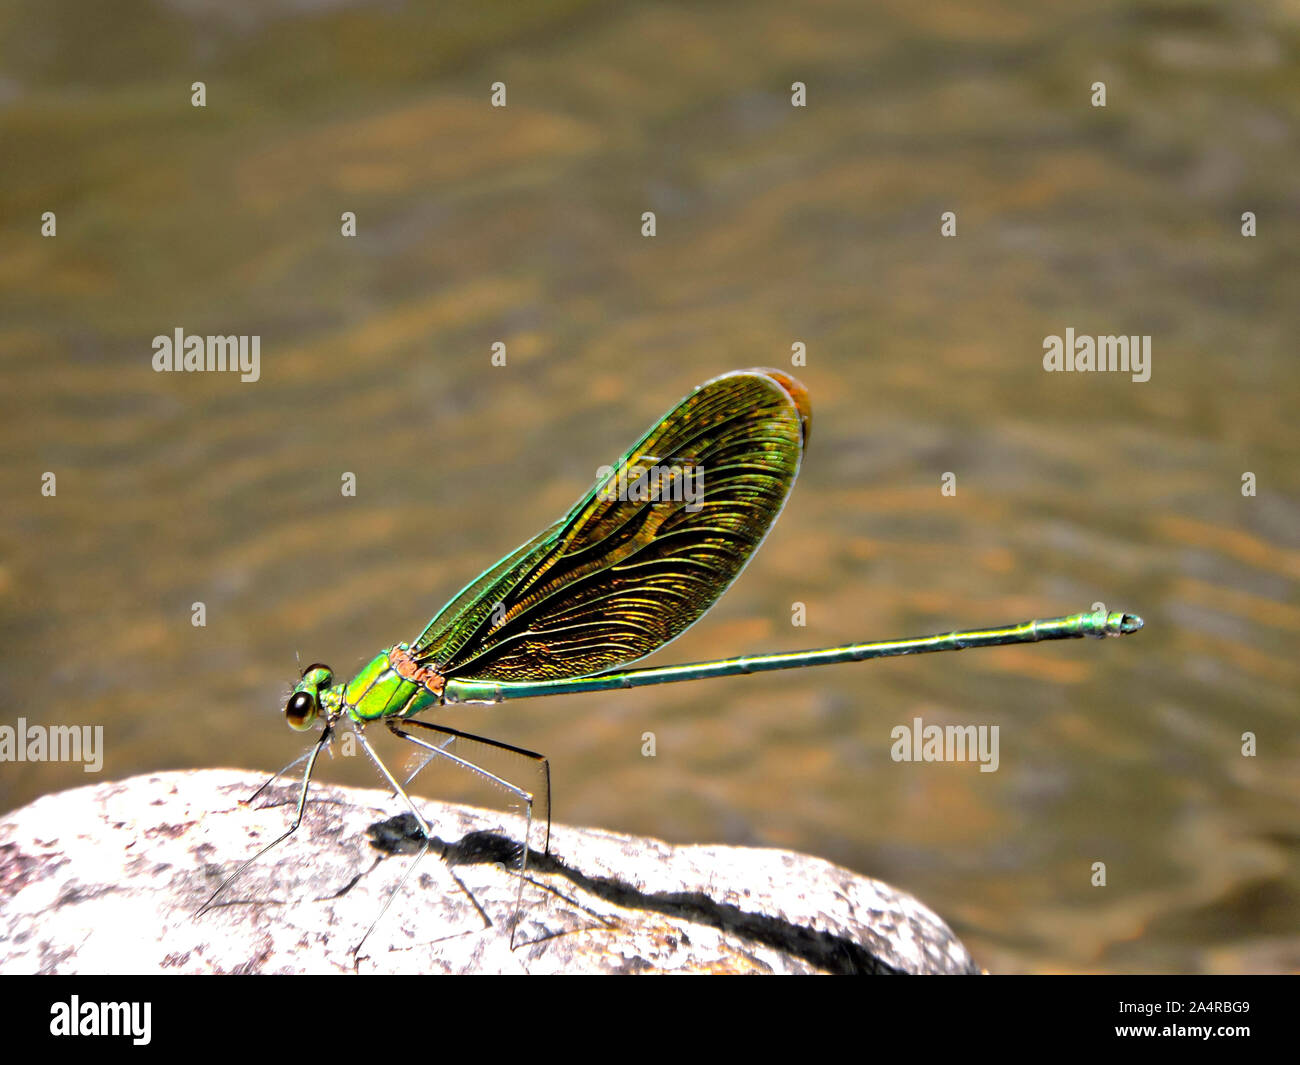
[[617, 578]]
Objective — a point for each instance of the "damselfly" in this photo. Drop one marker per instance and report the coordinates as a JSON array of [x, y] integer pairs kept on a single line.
[[628, 569]]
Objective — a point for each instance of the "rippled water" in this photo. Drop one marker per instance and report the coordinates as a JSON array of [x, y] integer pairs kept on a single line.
[[775, 225]]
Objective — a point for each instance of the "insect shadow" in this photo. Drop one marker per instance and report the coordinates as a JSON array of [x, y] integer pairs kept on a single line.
[[824, 950]]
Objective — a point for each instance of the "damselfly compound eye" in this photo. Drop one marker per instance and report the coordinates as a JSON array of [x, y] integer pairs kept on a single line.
[[300, 711]]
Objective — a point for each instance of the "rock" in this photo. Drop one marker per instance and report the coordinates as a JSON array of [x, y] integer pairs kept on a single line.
[[106, 879]]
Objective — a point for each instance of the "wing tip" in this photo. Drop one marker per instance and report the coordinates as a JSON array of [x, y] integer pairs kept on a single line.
[[798, 394]]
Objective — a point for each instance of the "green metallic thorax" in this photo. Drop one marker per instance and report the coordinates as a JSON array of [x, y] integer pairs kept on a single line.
[[377, 691]]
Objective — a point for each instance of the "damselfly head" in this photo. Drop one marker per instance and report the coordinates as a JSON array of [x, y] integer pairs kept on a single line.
[[304, 701]]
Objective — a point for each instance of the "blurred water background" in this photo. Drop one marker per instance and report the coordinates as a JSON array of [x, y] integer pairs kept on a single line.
[[775, 225]]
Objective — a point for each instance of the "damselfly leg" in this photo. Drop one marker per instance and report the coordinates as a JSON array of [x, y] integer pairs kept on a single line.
[[310, 756], [278, 774], [452, 744]]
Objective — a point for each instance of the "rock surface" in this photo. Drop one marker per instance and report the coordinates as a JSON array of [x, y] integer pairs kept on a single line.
[[106, 879]]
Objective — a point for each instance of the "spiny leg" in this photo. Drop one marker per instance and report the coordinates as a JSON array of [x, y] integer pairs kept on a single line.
[[424, 762], [425, 831], [311, 757], [527, 797], [542, 796], [277, 775]]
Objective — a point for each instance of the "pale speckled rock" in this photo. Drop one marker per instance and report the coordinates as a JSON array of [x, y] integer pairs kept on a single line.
[[106, 879]]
